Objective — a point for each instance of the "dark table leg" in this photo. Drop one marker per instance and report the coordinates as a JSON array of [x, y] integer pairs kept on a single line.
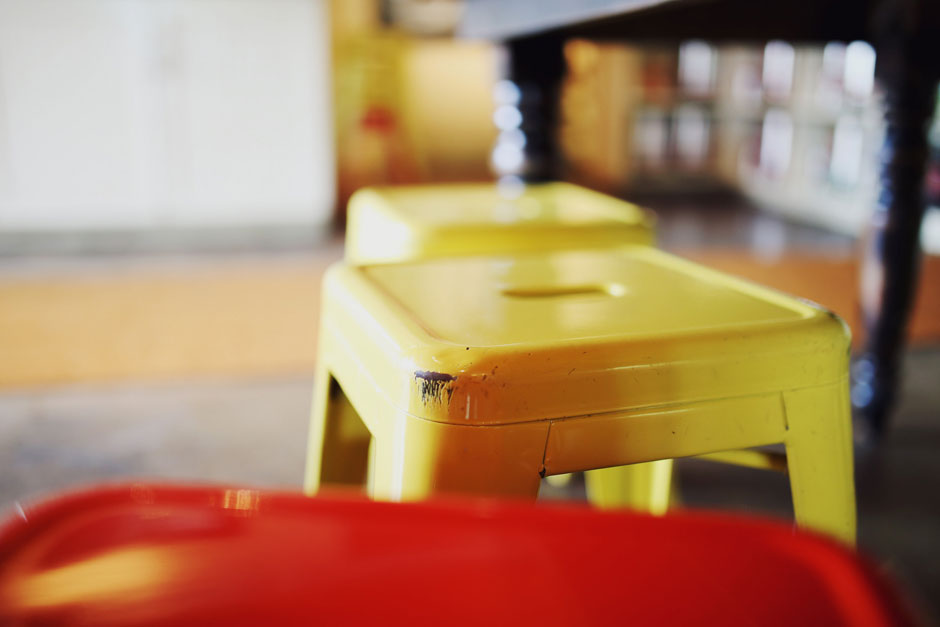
[[536, 66], [892, 251]]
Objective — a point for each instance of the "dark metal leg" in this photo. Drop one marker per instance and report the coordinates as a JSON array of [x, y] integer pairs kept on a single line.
[[536, 66], [892, 252]]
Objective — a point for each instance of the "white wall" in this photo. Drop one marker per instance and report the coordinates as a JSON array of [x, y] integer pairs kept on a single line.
[[164, 113]]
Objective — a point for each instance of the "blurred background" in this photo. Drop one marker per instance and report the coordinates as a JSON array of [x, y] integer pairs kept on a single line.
[[173, 180]]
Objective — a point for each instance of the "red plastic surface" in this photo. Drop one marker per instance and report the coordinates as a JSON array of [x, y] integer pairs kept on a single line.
[[148, 555]]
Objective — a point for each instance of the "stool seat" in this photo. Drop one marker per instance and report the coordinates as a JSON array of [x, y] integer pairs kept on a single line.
[[515, 339], [391, 224], [483, 374]]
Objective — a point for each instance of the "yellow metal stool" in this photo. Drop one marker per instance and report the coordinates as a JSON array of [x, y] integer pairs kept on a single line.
[[407, 223], [393, 224], [484, 374]]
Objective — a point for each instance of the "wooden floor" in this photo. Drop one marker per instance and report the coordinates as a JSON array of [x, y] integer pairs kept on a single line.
[[154, 319]]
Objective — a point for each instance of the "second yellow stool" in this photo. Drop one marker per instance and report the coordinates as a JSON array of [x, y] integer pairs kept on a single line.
[[393, 224]]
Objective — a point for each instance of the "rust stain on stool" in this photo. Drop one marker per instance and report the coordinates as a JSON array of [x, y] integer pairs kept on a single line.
[[435, 385]]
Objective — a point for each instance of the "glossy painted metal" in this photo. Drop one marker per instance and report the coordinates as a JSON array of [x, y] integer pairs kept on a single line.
[[484, 374], [410, 223], [393, 224], [140, 555]]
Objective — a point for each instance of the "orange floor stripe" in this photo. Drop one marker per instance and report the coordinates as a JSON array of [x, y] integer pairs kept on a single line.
[[221, 322], [832, 282], [261, 319]]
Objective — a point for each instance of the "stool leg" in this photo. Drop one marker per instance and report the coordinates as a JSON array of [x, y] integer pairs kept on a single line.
[[819, 459], [338, 442], [415, 459], [644, 487]]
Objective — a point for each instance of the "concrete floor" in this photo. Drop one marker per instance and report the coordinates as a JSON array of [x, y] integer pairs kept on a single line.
[[252, 432]]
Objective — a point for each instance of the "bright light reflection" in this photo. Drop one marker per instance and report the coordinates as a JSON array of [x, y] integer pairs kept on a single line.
[[508, 158], [507, 117], [121, 575], [510, 186], [859, 69], [506, 92], [240, 499]]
